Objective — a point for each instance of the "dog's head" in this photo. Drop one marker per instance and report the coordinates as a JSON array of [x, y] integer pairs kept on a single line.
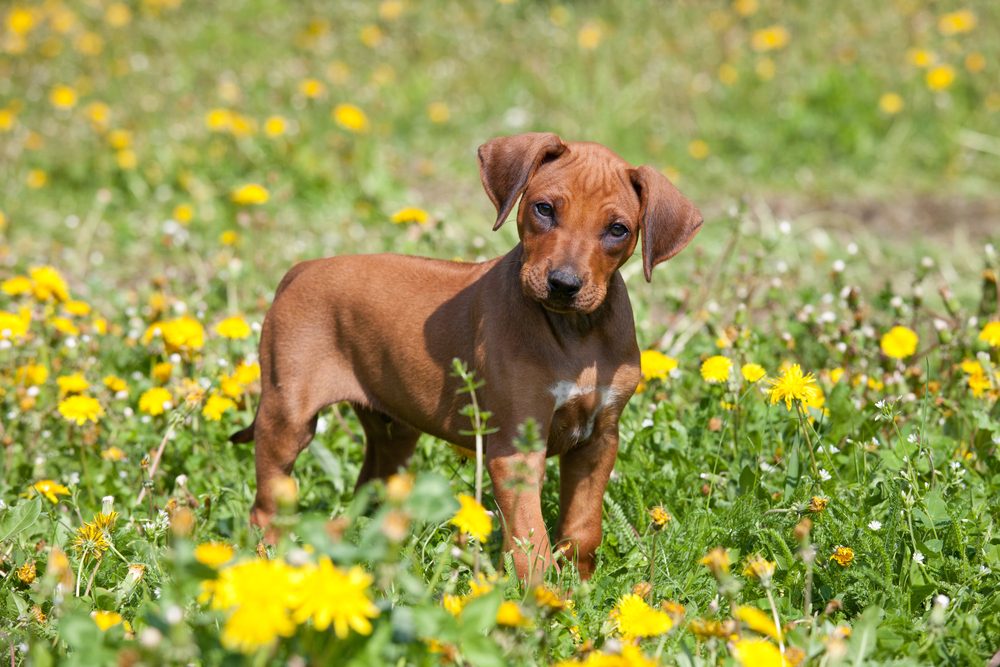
[[582, 211]]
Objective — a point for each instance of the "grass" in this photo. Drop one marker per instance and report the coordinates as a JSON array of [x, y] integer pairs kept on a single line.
[[136, 214]]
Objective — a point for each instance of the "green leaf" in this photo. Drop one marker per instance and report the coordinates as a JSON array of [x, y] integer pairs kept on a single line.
[[21, 518], [863, 636]]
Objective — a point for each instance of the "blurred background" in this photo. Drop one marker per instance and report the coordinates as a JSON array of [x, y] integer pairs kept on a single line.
[[129, 131]]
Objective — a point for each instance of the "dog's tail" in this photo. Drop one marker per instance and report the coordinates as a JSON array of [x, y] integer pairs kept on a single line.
[[245, 435]]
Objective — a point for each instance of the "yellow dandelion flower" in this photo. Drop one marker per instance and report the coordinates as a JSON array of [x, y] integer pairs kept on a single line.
[[698, 149], [216, 406], [659, 516], [312, 88], [114, 454], [655, 365], [14, 326], [438, 112], [590, 36], [758, 653], [509, 614], [31, 375], [331, 596], [921, 57], [105, 522], [758, 621], [890, 103], [81, 409], [411, 214], [975, 62], [64, 326], [155, 401], [247, 374], [47, 284], [991, 334], [472, 518], [818, 503], [717, 560], [954, 23], [219, 120], [716, 369], [229, 238], [99, 114], [16, 286], [728, 74], [181, 334], [50, 489], [636, 619], [752, 372], [453, 604], [350, 117], [761, 568], [843, 555], [745, 7], [106, 620], [213, 554], [62, 97], [20, 20], [772, 38], [233, 328], [260, 595], [36, 179], [117, 15], [162, 371], [978, 383], [275, 126], [251, 194], [371, 36], [90, 541], [940, 77], [704, 628], [548, 599], [183, 213], [899, 342], [27, 573], [114, 383], [793, 386], [77, 308]]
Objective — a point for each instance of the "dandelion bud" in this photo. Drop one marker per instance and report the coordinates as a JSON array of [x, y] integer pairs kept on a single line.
[[803, 528], [336, 528], [642, 589], [285, 490], [399, 486], [107, 504], [182, 522], [396, 526], [136, 571]]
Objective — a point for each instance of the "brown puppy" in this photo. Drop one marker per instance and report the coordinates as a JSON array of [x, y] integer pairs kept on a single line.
[[548, 327]]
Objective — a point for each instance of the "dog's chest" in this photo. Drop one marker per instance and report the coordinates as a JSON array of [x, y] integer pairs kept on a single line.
[[577, 412]]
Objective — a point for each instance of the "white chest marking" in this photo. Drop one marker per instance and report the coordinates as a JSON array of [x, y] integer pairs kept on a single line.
[[565, 391]]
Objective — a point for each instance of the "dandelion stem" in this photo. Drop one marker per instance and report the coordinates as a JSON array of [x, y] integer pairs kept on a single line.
[[79, 573], [805, 432], [777, 621]]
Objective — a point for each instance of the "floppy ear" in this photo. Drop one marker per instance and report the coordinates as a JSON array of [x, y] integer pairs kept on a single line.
[[506, 164], [668, 219]]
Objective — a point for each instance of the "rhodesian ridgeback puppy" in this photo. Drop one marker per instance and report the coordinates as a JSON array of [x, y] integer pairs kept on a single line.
[[548, 327]]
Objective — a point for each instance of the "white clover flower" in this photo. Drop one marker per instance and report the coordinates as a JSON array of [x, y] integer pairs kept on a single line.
[[875, 524]]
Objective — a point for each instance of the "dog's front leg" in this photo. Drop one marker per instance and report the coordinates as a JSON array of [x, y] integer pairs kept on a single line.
[[583, 475], [517, 483]]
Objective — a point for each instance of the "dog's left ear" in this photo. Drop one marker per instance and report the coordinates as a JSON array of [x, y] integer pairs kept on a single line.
[[668, 219], [506, 164]]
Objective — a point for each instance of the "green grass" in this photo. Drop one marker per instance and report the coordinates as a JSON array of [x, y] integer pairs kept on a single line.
[[732, 469]]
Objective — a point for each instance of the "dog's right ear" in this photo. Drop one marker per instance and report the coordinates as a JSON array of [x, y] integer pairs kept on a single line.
[[506, 164]]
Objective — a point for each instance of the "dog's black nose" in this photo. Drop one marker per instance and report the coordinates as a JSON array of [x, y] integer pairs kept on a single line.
[[564, 284]]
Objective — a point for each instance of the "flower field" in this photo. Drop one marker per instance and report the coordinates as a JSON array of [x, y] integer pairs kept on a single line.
[[807, 476]]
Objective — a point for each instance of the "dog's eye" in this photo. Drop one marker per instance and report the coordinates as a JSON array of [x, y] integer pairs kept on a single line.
[[544, 209], [618, 230]]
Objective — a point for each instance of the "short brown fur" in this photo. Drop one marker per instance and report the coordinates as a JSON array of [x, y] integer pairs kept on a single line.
[[548, 327]]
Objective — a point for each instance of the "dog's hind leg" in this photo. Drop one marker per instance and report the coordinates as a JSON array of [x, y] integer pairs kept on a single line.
[[389, 444]]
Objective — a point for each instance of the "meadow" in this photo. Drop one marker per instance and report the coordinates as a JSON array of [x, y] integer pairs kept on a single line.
[[807, 477]]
